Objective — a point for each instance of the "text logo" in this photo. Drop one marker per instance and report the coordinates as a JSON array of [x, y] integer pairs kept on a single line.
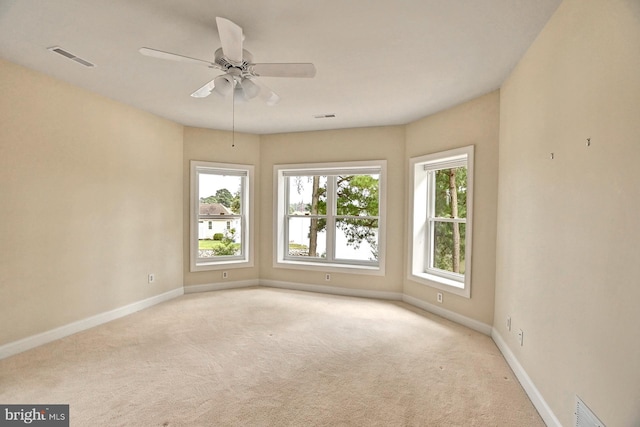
[[34, 415]]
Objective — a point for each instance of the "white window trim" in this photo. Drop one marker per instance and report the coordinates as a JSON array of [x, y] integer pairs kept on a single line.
[[244, 261], [418, 238], [279, 248]]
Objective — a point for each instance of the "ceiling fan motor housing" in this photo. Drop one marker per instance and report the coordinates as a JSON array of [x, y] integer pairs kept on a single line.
[[226, 64]]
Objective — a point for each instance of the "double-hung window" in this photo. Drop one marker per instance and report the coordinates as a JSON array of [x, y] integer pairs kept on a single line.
[[331, 216], [221, 216], [440, 217]]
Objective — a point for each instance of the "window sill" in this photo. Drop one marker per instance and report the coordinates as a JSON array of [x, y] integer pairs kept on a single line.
[[330, 267], [220, 265], [442, 283]]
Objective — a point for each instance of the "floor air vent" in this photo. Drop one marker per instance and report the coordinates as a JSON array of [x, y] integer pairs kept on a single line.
[[584, 416], [71, 56]]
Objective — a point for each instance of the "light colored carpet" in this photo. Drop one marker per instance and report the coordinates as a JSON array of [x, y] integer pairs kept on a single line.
[[270, 357]]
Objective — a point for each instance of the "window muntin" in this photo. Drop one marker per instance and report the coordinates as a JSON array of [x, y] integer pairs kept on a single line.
[[330, 215], [220, 195], [440, 217]]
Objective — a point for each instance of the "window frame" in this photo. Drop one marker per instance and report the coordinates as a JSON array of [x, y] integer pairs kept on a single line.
[[422, 219], [281, 258], [245, 259]]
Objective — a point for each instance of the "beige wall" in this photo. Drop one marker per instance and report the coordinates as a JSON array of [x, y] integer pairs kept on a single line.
[[216, 146], [91, 202], [472, 123], [569, 233], [384, 143]]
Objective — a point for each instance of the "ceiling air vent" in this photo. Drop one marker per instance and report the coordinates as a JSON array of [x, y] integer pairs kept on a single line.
[[71, 56]]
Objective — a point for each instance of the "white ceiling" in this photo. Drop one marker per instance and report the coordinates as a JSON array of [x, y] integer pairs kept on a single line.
[[379, 62]]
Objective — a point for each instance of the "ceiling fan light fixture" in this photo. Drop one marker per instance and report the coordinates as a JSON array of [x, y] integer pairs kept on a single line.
[[272, 99], [251, 89], [223, 84], [239, 95]]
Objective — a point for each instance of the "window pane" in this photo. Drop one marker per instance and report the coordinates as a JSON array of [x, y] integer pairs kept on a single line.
[[220, 194], [357, 239], [307, 237], [307, 195], [451, 193], [219, 241], [357, 195], [449, 246]]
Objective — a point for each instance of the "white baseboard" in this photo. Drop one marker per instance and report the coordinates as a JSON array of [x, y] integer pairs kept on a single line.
[[33, 341], [476, 325], [538, 401], [220, 286], [333, 290]]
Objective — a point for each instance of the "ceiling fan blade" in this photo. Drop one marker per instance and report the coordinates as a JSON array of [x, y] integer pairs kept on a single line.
[[204, 91], [266, 94], [231, 39], [154, 53], [284, 70]]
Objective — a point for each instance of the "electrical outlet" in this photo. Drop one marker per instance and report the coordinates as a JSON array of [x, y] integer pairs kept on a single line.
[[327, 277], [225, 274], [151, 278], [521, 337], [508, 323], [439, 296]]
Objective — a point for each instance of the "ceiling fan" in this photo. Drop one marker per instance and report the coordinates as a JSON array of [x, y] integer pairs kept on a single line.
[[240, 72]]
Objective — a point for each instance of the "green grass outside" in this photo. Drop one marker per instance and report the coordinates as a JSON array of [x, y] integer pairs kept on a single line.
[[297, 246], [208, 244]]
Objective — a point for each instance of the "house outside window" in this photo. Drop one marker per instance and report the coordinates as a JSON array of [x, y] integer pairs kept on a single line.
[[330, 216], [221, 216], [440, 217]]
